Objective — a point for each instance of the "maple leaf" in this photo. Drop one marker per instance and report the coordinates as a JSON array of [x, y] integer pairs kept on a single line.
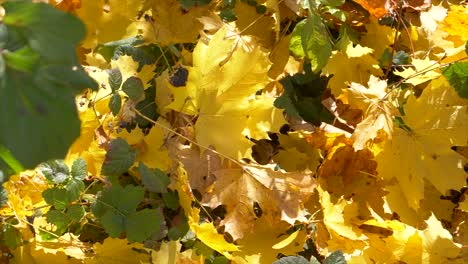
[[423, 71], [295, 154], [433, 123], [267, 241], [379, 240], [108, 20], [170, 24], [114, 250], [206, 232], [352, 175], [170, 253], [377, 108], [221, 89], [378, 37], [279, 195], [24, 192], [250, 23], [355, 64], [454, 22]]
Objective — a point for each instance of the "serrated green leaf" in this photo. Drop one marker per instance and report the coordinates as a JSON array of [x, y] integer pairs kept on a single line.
[[59, 219], [310, 39], [316, 42], [113, 223], [12, 237], [134, 88], [292, 260], [75, 213], [336, 257], [115, 103], [457, 75], [55, 171], [56, 197], [112, 200], [119, 158], [115, 79], [154, 180], [140, 225], [74, 188], [79, 169]]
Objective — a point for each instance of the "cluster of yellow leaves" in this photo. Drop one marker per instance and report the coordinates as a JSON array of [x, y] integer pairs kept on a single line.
[[375, 194]]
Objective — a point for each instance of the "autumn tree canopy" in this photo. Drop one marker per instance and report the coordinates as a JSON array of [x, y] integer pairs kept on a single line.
[[250, 131]]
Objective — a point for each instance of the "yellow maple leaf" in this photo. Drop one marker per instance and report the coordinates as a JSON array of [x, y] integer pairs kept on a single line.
[[279, 195], [24, 193], [455, 22], [152, 152], [376, 106], [435, 122], [295, 154], [249, 22], [424, 70], [378, 240], [33, 253], [263, 245], [169, 23], [355, 64], [108, 20], [221, 89], [206, 232], [352, 176], [118, 251], [170, 253], [434, 244], [378, 37]]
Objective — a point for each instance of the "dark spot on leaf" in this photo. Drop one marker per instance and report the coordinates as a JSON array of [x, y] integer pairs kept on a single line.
[[179, 77], [257, 210]]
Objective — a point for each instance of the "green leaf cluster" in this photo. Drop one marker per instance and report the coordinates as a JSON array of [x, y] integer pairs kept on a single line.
[[68, 185], [67, 188]]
